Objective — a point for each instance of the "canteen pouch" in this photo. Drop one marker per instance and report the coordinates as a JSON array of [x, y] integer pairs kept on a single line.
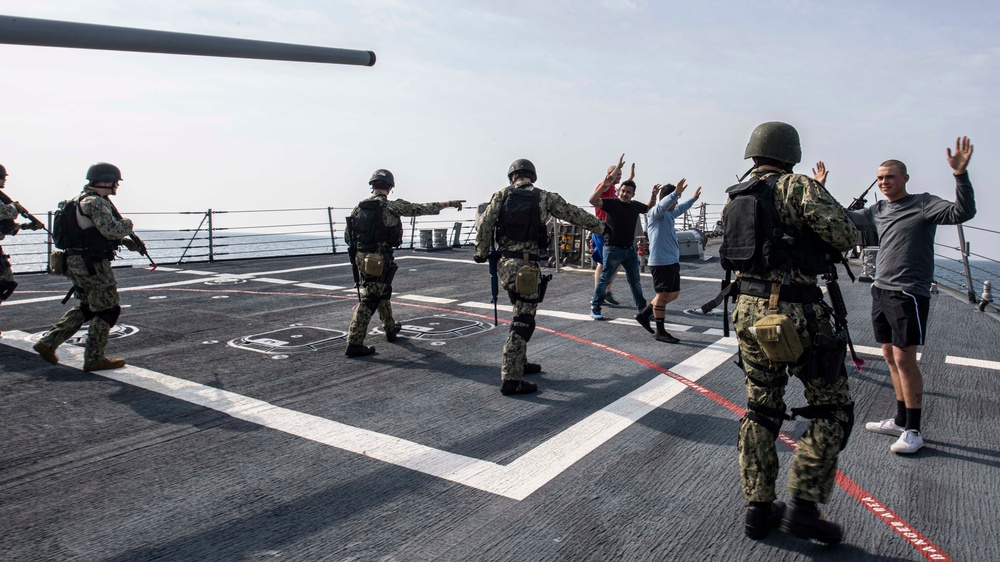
[[57, 263], [372, 265], [527, 280], [778, 339]]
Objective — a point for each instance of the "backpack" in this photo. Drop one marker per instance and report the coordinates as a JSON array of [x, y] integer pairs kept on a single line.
[[368, 229], [756, 241], [66, 231], [520, 218]]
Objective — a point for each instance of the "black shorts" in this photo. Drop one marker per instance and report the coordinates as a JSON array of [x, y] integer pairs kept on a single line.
[[666, 278], [898, 317]]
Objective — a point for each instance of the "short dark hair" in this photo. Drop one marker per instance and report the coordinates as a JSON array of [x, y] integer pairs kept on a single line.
[[765, 161], [667, 190], [894, 164], [628, 183]]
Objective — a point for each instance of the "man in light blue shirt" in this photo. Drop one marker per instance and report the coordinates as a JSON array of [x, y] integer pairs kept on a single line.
[[664, 254]]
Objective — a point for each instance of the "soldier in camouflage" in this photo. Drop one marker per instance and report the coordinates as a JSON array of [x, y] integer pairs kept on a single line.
[[518, 255], [803, 203], [8, 227], [89, 268], [377, 287]]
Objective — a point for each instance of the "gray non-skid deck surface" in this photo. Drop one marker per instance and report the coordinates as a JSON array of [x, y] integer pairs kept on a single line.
[[94, 469]]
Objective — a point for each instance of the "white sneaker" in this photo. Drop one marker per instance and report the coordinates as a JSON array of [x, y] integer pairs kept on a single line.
[[909, 442], [885, 427]]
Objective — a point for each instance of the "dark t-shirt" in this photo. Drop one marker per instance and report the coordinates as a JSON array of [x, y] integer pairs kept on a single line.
[[622, 217]]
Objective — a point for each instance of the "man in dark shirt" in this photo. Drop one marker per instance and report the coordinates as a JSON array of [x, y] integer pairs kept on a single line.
[[622, 215]]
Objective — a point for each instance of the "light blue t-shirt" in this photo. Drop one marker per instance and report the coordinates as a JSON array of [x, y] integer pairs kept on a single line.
[[663, 249]]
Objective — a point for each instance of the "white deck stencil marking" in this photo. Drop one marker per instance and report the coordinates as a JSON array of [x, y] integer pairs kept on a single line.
[[517, 480], [981, 363]]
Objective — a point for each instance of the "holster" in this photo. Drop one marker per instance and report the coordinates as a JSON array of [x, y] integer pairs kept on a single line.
[[826, 357]]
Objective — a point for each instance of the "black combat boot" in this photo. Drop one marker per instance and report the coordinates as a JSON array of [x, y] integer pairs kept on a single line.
[[517, 387], [358, 350], [390, 336], [762, 517], [532, 368], [803, 520]]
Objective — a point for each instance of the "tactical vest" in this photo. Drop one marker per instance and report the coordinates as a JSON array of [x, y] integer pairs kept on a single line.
[[369, 231], [756, 241], [68, 235], [520, 218]]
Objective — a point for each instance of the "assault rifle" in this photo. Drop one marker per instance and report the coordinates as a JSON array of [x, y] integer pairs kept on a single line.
[[840, 308], [352, 254], [859, 201], [494, 258], [35, 224]]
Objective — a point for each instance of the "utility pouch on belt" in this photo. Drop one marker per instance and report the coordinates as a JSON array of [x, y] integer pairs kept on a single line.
[[527, 279], [776, 334], [57, 262], [372, 265]]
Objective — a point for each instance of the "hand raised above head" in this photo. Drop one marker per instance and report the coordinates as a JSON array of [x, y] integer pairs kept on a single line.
[[820, 172], [697, 192], [681, 186], [959, 161]]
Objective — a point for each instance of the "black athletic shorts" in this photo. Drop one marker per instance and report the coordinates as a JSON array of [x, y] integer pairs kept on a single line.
[[898, 317], [666, 278]]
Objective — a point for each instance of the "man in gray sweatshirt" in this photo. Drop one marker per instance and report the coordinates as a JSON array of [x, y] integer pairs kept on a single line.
[[904, 270]]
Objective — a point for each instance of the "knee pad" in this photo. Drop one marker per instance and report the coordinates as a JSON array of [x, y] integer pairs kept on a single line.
[[828, 412], [7, 289], [523, 325], [371, 303], [110, 315], [87, 313]]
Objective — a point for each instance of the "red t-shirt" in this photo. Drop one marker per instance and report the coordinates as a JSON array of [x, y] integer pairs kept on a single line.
[[608, 193]]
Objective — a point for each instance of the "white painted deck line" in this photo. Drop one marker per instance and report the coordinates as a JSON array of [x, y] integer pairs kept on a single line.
[[430, 258], [981, 363], [319, 286], [60, 297], [714, 332], [432, 300], [273, 281], [876, 351], [487, 306], [517, 480]]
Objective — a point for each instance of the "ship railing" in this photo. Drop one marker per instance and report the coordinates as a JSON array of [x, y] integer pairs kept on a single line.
[[216, 235], [973, 275]]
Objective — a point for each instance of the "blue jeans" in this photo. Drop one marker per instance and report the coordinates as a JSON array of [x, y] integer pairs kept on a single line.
[[615, 256]]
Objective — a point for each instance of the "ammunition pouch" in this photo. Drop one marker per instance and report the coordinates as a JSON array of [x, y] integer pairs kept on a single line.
[[523, 325], [777, 338], [372, 265], [57, 262], [7, 289], [527, 280], [543, 285], [827, 412]]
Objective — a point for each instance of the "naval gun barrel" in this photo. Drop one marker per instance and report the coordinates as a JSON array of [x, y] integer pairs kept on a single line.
[[50, 33]]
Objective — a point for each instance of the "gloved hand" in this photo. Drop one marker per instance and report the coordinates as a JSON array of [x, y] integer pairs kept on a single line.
[[479, 259], [130, 244], [607, 230], [457, 203]]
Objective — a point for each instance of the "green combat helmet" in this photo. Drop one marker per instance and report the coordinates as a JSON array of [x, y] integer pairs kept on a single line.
[[3, 171], [102, 172], [522, 165], [775, 140]]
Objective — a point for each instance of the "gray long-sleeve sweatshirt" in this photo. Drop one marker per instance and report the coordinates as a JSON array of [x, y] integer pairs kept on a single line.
[[906, 229]]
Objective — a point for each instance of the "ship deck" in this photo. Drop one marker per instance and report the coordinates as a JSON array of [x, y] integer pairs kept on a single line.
[[240, 431]]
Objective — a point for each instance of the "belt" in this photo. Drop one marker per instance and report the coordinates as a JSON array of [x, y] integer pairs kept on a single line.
[[796, 292], [518, 255]]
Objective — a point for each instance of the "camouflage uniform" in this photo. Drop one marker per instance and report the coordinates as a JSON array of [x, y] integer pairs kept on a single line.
[[515, 350], [378, 290], [7, 213], [95, 286], [801, 202]]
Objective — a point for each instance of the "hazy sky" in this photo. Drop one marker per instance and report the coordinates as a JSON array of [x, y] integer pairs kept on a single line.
[[462, 88]]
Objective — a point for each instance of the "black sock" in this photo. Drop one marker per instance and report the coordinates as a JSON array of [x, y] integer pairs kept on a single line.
[[913, 418], [659, 326], [900, 413]]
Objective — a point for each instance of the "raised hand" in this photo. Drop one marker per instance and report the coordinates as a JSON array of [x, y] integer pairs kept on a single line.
[[820, 173], [681, 186], [959, 161], [631, 175], [697, 193]]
